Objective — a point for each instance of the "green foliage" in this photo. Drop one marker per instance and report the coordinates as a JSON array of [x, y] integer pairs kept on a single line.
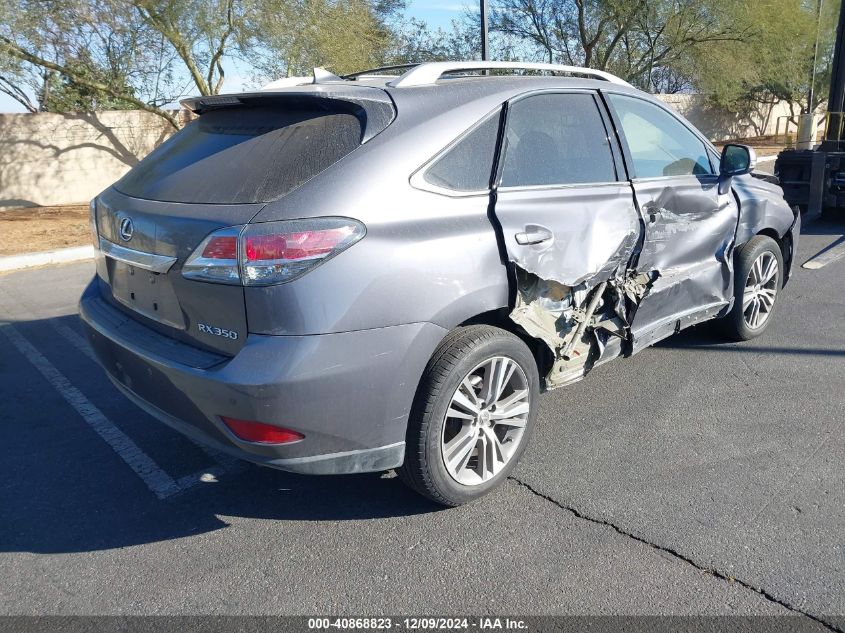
[[776, 62], [95, 54], [293, 37], [61, 93]]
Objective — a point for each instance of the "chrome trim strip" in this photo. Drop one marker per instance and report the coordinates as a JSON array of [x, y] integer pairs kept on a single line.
[[146, 261]]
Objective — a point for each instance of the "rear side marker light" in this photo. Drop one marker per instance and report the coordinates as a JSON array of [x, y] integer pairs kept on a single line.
[[261, 433], [271, 252]]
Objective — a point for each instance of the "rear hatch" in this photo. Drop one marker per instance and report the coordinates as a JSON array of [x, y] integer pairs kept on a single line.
[[219, 171]]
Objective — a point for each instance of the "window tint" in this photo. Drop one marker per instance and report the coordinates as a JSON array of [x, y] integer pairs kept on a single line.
[[556, 139], [468, 164], [660, 144], [241, 155]]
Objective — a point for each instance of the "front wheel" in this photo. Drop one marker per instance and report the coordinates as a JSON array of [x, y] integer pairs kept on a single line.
[[757, 282], [473, 414]]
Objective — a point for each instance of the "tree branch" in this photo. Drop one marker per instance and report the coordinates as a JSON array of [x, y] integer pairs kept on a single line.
[[172, 35], [16, 51], [9, 88], [221, 48]]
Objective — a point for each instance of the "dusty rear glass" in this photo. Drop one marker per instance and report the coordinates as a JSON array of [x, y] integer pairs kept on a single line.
[[243, 155]]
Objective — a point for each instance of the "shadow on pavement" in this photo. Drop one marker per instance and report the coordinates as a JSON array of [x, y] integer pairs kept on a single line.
[[62, 488], [705, 337]]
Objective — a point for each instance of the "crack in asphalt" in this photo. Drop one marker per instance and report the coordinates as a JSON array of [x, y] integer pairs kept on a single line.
[[715, 573]]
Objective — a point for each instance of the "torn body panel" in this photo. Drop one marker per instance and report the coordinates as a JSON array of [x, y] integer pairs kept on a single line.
[[624, 279], [583, 326], [571, 261]]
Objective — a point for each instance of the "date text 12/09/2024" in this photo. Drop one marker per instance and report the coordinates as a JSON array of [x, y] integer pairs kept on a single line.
[[421, 624]]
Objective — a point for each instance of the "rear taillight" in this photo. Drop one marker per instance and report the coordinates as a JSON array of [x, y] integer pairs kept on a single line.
[[270, 252], [261, 433], [216, 258]]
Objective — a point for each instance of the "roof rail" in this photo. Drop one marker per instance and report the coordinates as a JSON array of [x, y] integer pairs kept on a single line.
[[427, 74], [379, 71]]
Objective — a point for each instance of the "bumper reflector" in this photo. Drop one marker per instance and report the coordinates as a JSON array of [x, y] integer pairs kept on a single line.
[[261, 433]]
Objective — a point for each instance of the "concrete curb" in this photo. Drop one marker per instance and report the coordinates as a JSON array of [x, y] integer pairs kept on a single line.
[[59, 256]]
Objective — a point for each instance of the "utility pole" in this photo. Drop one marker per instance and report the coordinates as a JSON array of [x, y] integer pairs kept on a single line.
[[836, 100], [807, 119], [485, 53], [811, 93]]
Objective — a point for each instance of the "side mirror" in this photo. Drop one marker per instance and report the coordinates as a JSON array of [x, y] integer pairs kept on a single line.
[[737, 160]]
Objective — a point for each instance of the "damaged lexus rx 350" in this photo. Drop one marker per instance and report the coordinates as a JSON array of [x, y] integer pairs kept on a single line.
[[375, 272]]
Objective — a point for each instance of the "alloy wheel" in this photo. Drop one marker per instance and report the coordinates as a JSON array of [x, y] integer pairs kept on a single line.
[[760, 290], [485, 421]]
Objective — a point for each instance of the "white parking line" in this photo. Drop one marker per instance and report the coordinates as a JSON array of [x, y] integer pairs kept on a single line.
[[227, 464], [74, 339], [827, 256], [158, 481]]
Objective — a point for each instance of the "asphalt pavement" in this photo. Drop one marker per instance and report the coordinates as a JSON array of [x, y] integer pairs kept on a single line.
[[698, 477]]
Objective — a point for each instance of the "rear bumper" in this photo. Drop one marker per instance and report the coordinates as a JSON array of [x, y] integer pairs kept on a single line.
[[349, 393]]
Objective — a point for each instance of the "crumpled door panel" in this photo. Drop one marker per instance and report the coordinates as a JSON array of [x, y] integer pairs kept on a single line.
[[593, 230], [571, 247], [689, 239], [598, 278]]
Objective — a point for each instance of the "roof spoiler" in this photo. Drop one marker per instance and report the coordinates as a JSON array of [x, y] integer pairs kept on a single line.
[[372, 106]]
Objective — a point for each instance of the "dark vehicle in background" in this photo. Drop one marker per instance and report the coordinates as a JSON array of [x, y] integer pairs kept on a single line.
[[378, 272]]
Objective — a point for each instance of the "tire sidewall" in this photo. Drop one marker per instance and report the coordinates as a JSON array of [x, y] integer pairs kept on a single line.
[[505, 345], [748, 255]]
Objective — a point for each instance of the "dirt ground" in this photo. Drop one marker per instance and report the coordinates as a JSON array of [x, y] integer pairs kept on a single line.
[[30, 230]]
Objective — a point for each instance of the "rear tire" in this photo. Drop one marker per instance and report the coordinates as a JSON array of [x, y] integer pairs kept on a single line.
[[758, 278], [472, 417]]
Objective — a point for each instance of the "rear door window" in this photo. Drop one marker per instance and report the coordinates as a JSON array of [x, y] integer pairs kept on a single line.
[[659, 144], [556, 139], [243, 155], [467, 165]]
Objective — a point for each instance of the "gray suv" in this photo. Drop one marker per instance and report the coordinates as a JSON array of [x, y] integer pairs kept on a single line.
[[384, 271]]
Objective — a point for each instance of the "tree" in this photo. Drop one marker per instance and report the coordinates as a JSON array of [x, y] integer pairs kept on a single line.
[[89, 54], [644, 41], [19, 82], [130, 53], [416, 42], [776, 64], [293, 37]]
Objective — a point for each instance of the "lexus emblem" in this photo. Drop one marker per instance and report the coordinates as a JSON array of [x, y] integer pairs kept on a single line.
[[127, 228]]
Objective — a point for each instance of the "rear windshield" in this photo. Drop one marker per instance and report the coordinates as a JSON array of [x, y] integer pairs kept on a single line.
[[243, 155]]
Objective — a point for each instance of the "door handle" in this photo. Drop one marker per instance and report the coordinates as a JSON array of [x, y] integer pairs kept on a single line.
[[533, 235]]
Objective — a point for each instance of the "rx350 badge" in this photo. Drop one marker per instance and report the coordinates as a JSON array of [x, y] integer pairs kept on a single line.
[[217, 331]]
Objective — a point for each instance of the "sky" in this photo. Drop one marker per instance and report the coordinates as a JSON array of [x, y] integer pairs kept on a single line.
[[437, 13]]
